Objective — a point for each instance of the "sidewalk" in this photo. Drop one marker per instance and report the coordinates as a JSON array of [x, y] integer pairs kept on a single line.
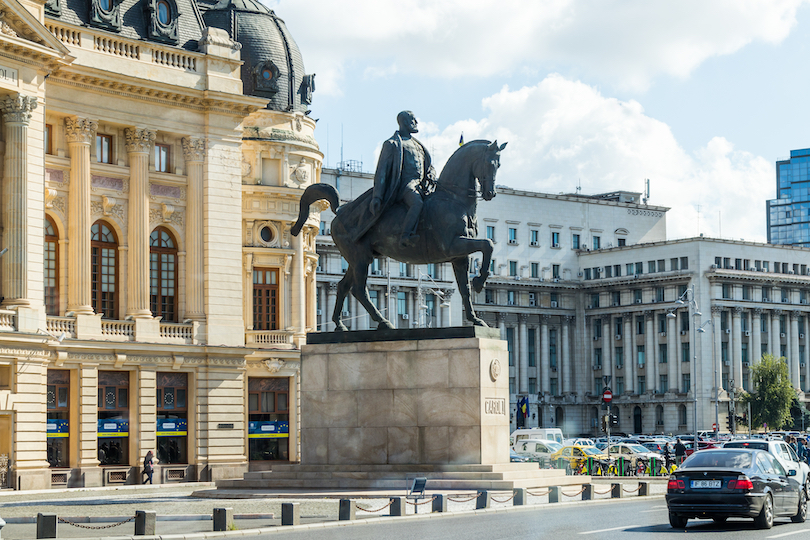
[[192, 503]]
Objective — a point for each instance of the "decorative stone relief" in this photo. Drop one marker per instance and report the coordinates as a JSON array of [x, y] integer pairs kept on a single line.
[[58, 204], [106, 14], [80, 130], [56, 176], [108, 204], [274, 364], [17, 108], [5, 28], [298, 174], [50, 195], [166, 211], [162, 24], [108, 207], [107, 182], [166, 214], [166, 192], [246, 169]]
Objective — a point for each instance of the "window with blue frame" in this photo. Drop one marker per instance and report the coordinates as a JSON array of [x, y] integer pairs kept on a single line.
[[172, 418], [268, 418], [113, 417]]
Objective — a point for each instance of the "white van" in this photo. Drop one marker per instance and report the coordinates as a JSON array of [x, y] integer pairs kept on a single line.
[[536, 449], [549, 434]]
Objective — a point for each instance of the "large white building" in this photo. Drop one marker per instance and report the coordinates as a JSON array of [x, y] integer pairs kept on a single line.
[[582, 287]]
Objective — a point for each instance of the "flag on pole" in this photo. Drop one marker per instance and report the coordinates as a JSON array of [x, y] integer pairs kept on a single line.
[[524, 407], [461, 139]]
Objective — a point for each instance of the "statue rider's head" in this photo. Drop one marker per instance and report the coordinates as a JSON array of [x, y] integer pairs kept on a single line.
[[407, 122]]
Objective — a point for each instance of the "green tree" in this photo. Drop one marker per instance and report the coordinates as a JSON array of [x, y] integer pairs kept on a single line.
[[772, 393]]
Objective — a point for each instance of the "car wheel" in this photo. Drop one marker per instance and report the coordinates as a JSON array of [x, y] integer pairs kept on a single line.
[[677, 522], [801, 513], [720, 519], [765, 518]]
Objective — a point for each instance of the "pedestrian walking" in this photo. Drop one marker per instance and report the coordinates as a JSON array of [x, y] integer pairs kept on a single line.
[[148, 466], [667, 456], [680, 452]]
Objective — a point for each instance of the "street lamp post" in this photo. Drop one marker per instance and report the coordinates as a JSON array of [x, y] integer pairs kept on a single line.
[[420, 297], [688, 299]]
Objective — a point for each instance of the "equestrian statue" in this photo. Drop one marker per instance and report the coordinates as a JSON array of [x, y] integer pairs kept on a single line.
[[412, 217]]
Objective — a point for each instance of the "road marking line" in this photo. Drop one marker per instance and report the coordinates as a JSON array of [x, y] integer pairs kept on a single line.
[[788, 533], [608, 530], [656, 510]]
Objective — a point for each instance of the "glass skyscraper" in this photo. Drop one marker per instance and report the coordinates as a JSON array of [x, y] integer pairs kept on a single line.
[[789, 213]]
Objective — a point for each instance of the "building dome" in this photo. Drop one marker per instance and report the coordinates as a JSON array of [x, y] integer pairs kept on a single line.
[[273, 67]]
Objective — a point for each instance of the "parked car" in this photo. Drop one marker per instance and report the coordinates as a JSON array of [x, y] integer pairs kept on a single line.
[[551, 434], [632, 452], [514, 457], [536, 449], [781, 451], [702, 445], [580, 441], [575, 454], [734, 482], [657, 447]]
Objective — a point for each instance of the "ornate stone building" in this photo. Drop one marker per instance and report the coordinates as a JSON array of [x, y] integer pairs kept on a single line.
[[154, 152]]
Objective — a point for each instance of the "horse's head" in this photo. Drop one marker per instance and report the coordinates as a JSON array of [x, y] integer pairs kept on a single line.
[[487, 168]]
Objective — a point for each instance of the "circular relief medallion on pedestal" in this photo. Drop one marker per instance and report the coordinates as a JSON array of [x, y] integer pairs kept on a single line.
[[494, 369]]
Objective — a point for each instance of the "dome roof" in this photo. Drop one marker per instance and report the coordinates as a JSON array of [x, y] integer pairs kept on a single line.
[[273, 67]]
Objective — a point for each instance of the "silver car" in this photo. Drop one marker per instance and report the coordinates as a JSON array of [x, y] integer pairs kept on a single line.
[[781, 451]]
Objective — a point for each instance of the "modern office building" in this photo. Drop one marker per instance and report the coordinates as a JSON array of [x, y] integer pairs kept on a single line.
[[153, 298], [586, 287], [789, 213]]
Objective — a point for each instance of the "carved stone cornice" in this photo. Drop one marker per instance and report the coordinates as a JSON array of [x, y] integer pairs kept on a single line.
[[794, 315], [523, 317], [501, 316], [17, 108], [194, 149], [717, 310], [628, 315], [776, 312], [545, 319], [332, 288], [80, 130], [649, 314], [737, 311], [139, 140], [757, 312]]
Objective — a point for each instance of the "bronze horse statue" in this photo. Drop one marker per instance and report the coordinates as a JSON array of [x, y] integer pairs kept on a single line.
[[447, 229]]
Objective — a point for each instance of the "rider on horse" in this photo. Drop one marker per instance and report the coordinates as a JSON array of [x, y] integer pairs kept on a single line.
[[404, 173]]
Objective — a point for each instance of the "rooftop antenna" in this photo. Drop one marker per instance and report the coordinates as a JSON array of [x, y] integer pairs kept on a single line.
[[579, 186], [646, 195]]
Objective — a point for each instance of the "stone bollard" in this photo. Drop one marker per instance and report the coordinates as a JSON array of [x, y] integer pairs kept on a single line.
[[290, 514], [644, 489], [223, 519], [483, 500], [616, 491], [397, 508], [587, 494], [519, 498], [554, 494], [348, 511], [439, 503], [145, 522], [46, 525]]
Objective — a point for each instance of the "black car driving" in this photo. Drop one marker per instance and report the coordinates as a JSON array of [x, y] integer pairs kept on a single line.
[[732, 482]]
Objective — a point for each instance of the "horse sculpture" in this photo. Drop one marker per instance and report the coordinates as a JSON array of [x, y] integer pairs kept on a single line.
[[447, 229]]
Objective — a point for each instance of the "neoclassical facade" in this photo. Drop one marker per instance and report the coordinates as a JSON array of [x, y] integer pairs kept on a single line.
[[153, 297]]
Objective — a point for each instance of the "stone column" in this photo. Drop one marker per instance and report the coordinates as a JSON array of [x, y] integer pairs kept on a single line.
[[298, 313], [446, 313], [138, 144], [16, 117], [501, 318], [80, 134], [88, 423], [736, 345], [146, 415], [672, 353], [545, 360], [776, 338], [718, 346], [523, 350], [649, 350], [567, 364], [607, 341], [194, 152], [331, 299], [755, 349], [793, 359], [629, 353]]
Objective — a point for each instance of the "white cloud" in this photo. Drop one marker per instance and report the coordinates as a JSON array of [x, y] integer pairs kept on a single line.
[[624, 42], [562, 133]]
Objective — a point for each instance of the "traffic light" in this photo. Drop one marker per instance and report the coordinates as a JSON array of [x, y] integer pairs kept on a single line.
[[730, 423], [604, 423], [743, 420], [614, 420]]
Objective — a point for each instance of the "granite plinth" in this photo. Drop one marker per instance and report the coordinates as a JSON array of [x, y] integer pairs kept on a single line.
[[403, 334]]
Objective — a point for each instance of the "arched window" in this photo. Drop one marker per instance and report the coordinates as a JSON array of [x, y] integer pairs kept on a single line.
[[51, 268], [104, 272], [163, 274]]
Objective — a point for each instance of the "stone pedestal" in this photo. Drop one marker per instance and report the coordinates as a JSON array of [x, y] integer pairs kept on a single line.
[[418, 401], [379, 407]]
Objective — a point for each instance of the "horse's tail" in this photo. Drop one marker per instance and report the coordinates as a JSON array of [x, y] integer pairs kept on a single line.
[[315, 192]]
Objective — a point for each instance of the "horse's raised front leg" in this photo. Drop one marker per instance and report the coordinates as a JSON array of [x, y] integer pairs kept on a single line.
[[485, 247], [360, 291], [461, 268], [342, 290]]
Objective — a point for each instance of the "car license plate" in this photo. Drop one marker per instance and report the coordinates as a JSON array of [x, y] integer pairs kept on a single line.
[[707, 484]]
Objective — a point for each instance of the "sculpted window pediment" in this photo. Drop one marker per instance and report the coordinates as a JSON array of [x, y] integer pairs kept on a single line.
[[163, 16], [106, 14]]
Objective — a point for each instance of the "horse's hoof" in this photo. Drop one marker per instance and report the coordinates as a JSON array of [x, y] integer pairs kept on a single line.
[[341, 328], [478, 284], [385, 324]]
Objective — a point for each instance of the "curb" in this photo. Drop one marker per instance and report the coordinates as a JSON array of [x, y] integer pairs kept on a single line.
[[117, 519], [123, 487]]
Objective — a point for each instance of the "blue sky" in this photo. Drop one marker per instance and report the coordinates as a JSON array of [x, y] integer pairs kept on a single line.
[[701, 97]]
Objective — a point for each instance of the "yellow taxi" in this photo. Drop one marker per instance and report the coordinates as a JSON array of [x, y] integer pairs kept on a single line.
[[576, 454]]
